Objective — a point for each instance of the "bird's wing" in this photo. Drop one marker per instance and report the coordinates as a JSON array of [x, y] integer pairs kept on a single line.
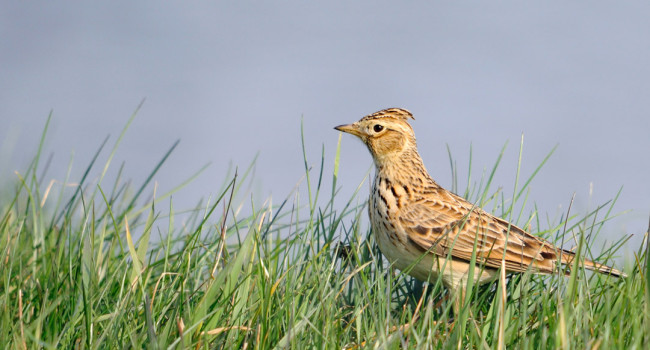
[[450, 225]]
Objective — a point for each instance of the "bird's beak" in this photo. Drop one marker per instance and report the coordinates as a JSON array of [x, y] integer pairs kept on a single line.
[[350, 129]]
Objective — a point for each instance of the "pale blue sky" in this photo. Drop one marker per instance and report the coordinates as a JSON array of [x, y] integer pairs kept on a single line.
[[234, 79]]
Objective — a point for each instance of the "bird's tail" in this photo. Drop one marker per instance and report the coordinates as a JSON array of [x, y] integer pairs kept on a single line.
[[567, 259]]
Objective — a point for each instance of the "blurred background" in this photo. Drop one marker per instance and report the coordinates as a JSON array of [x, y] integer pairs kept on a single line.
[[235, 80]]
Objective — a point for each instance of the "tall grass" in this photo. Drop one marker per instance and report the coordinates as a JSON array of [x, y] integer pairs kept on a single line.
[[294, 275]]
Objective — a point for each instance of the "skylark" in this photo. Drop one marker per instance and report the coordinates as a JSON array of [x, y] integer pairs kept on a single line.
[[431, 232]]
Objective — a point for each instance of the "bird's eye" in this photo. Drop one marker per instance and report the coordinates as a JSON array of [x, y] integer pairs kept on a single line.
[[378, 128]]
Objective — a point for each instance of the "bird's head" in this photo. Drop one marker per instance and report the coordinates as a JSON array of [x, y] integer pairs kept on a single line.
[[387, 133]]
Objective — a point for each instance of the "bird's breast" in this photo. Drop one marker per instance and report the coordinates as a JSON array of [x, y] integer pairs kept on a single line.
[[386, 201]]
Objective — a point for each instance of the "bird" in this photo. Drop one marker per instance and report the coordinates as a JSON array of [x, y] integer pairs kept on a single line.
[[430, 232]]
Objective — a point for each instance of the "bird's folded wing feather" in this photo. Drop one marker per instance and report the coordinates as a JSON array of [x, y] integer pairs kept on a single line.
[[444, 227]]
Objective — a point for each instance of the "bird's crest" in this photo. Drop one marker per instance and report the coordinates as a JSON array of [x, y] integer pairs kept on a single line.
[[398, 113]]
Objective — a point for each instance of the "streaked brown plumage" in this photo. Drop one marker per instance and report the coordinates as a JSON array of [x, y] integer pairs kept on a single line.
[[418, 225]]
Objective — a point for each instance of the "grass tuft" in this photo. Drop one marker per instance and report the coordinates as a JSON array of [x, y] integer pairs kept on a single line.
[[105, 267]]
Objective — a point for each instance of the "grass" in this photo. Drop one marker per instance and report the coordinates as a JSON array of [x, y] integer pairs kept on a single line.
[[295, 275]]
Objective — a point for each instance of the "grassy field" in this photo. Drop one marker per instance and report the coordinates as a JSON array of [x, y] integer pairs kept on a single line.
[[106, 265]]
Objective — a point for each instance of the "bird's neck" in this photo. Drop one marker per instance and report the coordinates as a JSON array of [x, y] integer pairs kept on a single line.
[[405, 168]]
